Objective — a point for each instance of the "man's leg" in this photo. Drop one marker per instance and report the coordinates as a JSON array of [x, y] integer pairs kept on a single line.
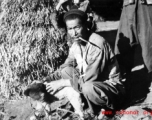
[[74, 98], [72, 74], [71, 92], [101, 95]]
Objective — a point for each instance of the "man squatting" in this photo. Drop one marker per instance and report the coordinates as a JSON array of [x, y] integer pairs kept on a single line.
[[91, 68]]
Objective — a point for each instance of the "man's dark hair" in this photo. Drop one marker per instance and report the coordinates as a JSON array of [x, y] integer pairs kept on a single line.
[[75, 14]]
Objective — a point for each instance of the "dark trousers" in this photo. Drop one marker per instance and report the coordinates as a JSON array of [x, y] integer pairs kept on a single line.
[[97, 94], [135, 28]]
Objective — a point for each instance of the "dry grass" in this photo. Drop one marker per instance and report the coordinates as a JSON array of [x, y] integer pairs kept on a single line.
[[28, 48]]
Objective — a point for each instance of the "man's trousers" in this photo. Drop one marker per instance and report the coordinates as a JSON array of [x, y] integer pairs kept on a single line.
[[97, 94]]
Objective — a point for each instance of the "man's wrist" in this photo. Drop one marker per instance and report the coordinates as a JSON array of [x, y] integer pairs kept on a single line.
[[66, 82], [47, 79], [58, 6], [60, 3]]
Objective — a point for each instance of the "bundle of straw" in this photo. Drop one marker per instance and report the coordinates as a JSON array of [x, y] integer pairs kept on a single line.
[[31, 44]]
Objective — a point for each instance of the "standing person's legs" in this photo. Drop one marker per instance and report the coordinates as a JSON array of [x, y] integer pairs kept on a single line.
[[144, 29], [126, 38]]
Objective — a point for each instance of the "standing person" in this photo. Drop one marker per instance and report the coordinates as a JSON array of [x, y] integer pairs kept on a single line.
[[84, 5], [91, 67], [64, 5], [135, 28]]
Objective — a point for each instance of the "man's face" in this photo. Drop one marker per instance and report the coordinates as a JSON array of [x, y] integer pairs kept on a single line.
[[75, 29]]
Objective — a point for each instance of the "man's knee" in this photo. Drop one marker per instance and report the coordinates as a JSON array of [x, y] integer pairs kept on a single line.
[[95, 93], [69, 73], [87, 88], [68, 92]]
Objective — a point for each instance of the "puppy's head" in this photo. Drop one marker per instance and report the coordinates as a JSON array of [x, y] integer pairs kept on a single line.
[[36, 91]]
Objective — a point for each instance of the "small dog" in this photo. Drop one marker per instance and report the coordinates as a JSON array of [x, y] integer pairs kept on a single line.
[[41, 100]]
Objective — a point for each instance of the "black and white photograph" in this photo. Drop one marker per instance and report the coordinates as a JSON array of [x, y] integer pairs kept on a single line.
[[75, 59]]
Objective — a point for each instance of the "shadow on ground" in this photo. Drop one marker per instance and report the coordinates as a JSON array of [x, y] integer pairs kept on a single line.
[[138, 86], [138, 81]]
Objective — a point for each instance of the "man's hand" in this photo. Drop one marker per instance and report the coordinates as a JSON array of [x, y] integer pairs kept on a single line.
[[53, 86]]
